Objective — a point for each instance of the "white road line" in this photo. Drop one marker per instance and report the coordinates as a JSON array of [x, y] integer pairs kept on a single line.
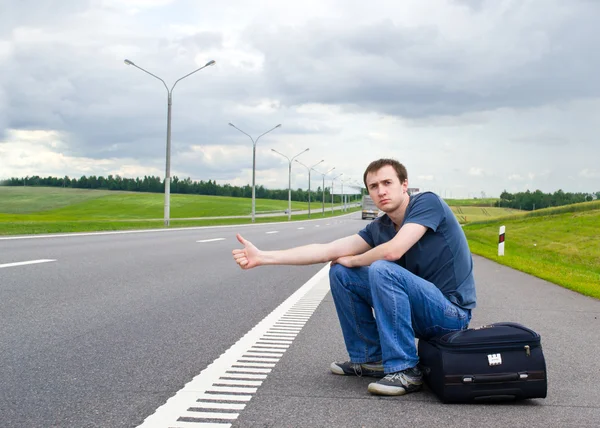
[[272, 231], [211, 240], [236, 382], [173, 229], [211, 415], [263, 354], [230, 389], [218, 396], [300, 228], [201, 425], [248, 370], [243, 376], [242, 364], [229, 406], [224, 380], [260, 360], [30, 262]]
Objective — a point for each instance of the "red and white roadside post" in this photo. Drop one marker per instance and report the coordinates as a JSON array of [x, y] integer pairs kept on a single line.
[[501, 240]]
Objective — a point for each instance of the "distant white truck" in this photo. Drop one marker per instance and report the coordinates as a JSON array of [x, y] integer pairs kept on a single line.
[[369, 210]]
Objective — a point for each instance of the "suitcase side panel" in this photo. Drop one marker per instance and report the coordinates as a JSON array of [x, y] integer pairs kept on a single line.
[[469, 376]]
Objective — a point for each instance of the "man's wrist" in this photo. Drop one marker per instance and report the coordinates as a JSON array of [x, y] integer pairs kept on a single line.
[[262, 258]]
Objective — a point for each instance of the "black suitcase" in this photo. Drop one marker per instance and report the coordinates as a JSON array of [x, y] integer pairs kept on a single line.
[[501, 361]]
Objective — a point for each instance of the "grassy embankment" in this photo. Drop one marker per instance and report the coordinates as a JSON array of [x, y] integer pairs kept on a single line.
[[27, 210], [560, 245], [467, 214]]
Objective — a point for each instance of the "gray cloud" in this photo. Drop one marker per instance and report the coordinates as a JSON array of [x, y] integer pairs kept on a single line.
[[417, 73], [438, 82], [541, 139], [36, 13]]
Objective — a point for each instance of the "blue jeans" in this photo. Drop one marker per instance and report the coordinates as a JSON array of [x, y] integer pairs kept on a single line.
[[405, 306]]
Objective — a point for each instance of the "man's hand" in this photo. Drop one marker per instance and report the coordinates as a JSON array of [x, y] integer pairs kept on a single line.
[[248, 257], [344, 261]]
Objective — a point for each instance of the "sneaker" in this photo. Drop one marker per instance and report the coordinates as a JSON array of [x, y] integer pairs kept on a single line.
[[399, 383], [357, 369]]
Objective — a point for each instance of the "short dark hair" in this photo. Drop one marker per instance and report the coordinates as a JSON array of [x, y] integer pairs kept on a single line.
[[380, 163]]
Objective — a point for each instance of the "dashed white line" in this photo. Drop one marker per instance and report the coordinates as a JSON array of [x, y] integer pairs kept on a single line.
[[211, 240], [29, 262], [233, 378], [272, 231], [300, 228]]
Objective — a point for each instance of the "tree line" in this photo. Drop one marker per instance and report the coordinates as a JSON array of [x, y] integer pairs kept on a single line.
[[536, 200], [186, 186]]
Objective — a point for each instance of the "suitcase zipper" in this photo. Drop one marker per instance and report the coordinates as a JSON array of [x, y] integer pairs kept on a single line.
[[477, 348], [535, 337]]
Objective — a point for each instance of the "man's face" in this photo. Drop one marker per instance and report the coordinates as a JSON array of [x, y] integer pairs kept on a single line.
[[385, 188]]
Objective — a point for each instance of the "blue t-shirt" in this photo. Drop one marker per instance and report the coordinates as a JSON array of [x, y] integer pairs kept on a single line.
[[441, 256]]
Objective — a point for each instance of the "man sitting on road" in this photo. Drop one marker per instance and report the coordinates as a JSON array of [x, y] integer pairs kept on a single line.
[[408, 274]]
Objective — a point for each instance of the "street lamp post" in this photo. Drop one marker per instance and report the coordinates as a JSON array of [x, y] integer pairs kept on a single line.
[[169, 103], [324, 186], [344, 199], [332, 180], [360, 187], [290, 179], [309, 168], [254, 164]]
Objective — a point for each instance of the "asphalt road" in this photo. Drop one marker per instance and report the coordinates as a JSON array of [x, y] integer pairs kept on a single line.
[[118, 323], [104, 335]]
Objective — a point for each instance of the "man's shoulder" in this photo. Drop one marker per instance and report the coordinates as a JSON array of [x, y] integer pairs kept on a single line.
[[425, 202], [425, 197]]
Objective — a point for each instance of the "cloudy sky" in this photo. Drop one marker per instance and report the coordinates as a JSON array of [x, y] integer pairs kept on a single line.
[[471, 95]]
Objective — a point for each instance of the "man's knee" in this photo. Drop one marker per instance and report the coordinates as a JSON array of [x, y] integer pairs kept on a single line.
[[383, 268], [337, 274], [383, 272]]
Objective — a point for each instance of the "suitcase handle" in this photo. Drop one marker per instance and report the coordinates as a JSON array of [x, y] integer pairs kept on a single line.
[[504, 377]]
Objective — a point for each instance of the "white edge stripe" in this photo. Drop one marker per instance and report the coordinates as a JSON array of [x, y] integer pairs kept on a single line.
[[240, 364], [229, 406], [175, 229], [200, 425], [210, 415], [168, 413], [30, 262]]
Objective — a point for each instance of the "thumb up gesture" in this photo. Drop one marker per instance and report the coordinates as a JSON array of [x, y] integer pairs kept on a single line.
[[247, 257]]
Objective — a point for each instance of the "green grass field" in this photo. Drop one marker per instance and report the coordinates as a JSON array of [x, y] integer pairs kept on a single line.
[[25, 200], [561, 245], [487, 202], [466, 214], [25, 210]]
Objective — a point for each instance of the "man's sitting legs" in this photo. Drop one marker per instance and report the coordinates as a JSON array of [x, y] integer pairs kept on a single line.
[[352, 297], [406, 307]]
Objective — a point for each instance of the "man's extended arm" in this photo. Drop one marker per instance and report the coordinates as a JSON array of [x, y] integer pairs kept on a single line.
[[250, 256], [392, 250]]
